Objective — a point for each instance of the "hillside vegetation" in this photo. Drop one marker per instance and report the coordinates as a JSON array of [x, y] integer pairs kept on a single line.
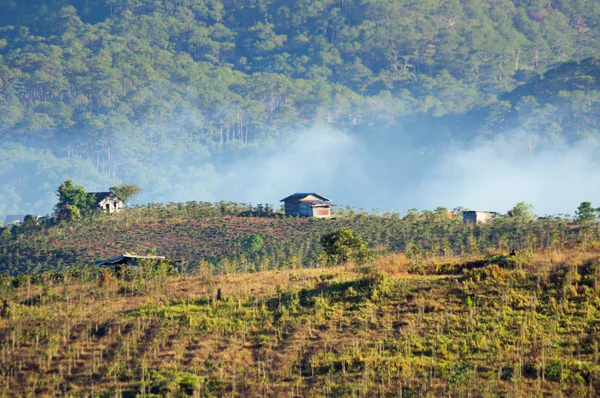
[[99, 91], [231, 237], [470, 326]]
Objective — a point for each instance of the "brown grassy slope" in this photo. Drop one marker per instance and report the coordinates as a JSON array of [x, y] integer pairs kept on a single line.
[[212, 238], [377, 331], [192, 240]]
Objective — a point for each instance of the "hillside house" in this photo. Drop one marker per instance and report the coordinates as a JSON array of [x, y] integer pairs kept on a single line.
[[307, 205], [108, 202], [479, 217]]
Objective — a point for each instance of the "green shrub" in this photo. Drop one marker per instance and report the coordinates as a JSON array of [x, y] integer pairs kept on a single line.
[[189, 382], [343, 245], [507, 373], [553, 370], [530, 370]]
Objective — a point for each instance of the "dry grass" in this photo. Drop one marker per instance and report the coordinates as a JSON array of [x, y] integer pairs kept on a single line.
[[393, 265], [356, 334]]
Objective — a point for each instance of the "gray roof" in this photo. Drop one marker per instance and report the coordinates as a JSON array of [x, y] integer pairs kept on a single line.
[[100, 196], [123, 258], [298, 196], [14, 218], [480, 211]]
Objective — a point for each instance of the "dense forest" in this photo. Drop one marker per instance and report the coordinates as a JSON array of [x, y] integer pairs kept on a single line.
[[165, 94]]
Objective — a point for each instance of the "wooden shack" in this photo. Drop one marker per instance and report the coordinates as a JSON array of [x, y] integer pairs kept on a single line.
[[307, 204], [479, 217], [128, 261], [108, 202]]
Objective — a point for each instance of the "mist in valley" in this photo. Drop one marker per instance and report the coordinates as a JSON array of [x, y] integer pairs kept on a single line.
[[390, 174], [392, 169]]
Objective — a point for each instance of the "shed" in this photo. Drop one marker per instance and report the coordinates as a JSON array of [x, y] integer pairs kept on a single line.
[[479, 217], [307, 204], [108, 202], [127, 259]]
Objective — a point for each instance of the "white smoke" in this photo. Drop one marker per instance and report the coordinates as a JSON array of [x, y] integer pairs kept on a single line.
[[554, 178]]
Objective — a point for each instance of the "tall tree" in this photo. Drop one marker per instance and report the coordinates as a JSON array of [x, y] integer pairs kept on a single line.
[[585, 213], [73, 195], [126, 192]]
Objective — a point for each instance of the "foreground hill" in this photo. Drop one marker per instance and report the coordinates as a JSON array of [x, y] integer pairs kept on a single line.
[[222, 236], [498, 325]]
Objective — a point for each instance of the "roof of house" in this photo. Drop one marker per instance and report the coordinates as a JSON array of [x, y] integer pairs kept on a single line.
[[298, 196], [480, 211], [123, 258], [100, 196], [14, 218]]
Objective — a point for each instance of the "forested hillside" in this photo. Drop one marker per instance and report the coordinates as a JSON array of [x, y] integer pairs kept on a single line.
[[149, 92]]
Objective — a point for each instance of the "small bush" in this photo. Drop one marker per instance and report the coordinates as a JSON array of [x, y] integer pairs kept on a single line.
[[553, 370], [507, 373], [188, 383], [520, 260], [530, 370]]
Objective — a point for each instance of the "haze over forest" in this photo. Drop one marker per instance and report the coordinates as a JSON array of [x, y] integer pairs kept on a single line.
[[376, 104]]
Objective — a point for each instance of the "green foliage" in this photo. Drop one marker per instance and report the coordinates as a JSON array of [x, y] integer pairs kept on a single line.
[[585, 213], [126, 192], [188, 383], [72, 197], [253, 244], [69, 213], [531, 370], [333, 332], [138, 89], [219, 237], [553, 369], [522, 212], [469, 302], [343, 245]]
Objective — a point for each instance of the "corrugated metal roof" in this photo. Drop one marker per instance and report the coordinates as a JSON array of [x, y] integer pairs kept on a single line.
[[298, 196], [123, 257], [100, 196], [480, 211]]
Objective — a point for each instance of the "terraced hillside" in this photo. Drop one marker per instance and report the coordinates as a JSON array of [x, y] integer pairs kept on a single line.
[[487, 326]]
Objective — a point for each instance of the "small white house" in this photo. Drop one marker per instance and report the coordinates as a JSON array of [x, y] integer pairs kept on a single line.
[[108, 202]]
